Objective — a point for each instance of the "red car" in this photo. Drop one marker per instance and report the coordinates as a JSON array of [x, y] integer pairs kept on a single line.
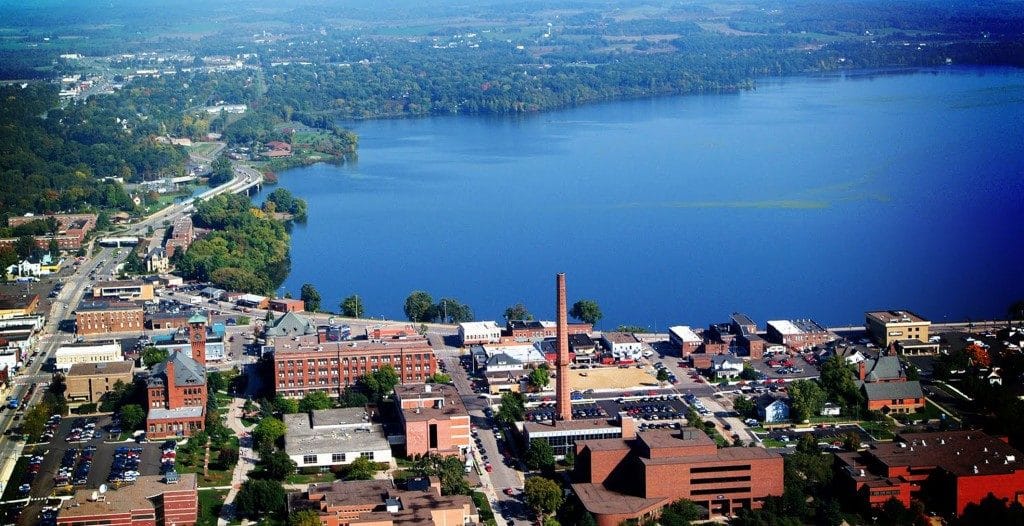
[[488, 467], [510, 491]]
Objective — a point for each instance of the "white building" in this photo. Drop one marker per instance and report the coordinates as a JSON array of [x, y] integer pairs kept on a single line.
[[478, 332], [94, 352], [333, 437], [727, 365], [622, 345], [525, 353]]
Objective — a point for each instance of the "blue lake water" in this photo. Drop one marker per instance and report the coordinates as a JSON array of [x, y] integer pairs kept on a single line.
[[817, 197]]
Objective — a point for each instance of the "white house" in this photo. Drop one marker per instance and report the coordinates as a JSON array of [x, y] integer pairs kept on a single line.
[[830, 409], [479, 332], [772, 410], [332, 437], [502, 363], [622, 345], [727, 365]]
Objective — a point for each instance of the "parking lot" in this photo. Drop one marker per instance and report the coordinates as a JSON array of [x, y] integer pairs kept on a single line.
[[85, 460], [827, 434], [787, 367]]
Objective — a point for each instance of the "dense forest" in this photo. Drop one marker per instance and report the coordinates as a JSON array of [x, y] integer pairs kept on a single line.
[[247, 249]]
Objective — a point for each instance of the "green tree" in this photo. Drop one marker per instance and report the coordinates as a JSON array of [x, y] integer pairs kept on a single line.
[[34, 421], [662, 375], [24, 246], [285, 406], [54, 249], [745, 406], [680, 513], [517, 312], [352, 307], [220, 172], [277, 465], [586, 311], [540, 455], [132, 416], [260, 497], [512, 408], [216, 382], [419, 306], [806, 399], [352, 398], [439, 378], [266, 433], [304, 518], [543, 495], [315, 400], [540, 377], [152, 356], [381, 383], [449, 469], [311, 297], [361, 468], [838, 382], [453, 311]]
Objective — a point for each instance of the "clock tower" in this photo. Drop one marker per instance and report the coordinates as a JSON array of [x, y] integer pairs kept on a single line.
[[197, 337]]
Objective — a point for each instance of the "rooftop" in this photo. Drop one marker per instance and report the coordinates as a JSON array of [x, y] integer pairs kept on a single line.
[[187, 372], [291, 324], [479, 326], [742, 319], [100, 368], [619, 337], [893, 390], [789, 327], [895, 316], [125, 499], [957, 452], [685, 333], [407, 507], [100, 305], [160, 413], [118, 284], [333, 431], [440, 401]]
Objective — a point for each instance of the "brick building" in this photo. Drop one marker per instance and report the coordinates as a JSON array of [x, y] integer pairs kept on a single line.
[[304, 364], [182, 235], [538, 330], [379, 503], [101, 317], [150, 501], [798, 334], [287, 305], [17, 306], [89, 382], [634, 477], [685, 339], [479, 332], [886, 388], [434, 419], [746, 335], [71, 230], [947, 470], [176, 389]]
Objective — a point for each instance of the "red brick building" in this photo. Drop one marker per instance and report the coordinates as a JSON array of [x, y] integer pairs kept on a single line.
[[947, 470], [71, 230], [176, 389], [151, 501], [308, 363], [434, 419], [538, 330], [101, 317], [287, 305], [182, 235], [379, 503], [634, 478]]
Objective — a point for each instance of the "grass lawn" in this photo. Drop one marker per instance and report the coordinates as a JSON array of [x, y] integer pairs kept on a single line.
[[929, 412], [484, 507], [247, 422], [771, 442], [299, 478], [878, 430], [223, 400], [210, 503], [216, 477]]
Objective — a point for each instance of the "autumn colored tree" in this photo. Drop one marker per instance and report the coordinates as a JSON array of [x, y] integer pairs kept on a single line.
[[978, 355]]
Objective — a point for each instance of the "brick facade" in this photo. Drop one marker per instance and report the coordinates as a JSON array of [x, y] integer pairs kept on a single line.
[[434, 419], [107, 317], [305, 364]]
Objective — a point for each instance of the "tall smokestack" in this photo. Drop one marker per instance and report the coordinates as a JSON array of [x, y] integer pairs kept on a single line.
[[562, 360]]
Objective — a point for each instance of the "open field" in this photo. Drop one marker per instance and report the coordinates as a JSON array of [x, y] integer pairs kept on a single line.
[[610, 378]]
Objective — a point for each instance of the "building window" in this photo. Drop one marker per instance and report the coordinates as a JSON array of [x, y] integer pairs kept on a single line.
[[309, 459], [367, 455], [337, 457]]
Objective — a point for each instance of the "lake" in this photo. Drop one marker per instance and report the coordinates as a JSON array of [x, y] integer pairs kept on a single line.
[[812, 197]]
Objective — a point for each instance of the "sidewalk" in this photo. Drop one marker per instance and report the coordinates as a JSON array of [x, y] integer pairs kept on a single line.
[[247, 458]]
